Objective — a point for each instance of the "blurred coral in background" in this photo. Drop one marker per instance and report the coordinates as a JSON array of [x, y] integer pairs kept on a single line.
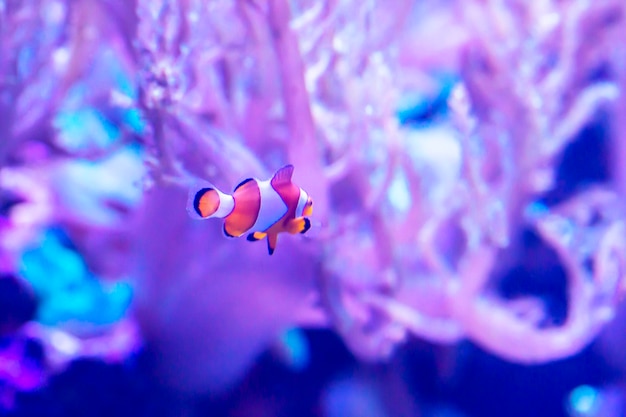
[[468, 165]]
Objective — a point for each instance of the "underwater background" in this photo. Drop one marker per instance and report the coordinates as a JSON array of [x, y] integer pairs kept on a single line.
[[467, 256]]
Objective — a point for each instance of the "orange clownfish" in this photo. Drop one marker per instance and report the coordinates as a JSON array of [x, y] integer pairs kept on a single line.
[[259, 208]]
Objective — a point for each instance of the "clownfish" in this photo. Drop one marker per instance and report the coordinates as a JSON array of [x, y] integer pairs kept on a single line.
[[263, 209]]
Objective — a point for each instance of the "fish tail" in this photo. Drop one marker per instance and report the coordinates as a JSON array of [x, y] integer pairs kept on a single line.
[[206, 201]]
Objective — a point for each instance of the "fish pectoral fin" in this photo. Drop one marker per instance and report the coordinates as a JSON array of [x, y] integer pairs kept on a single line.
[[299, 225], [253, 237], [271, 242]]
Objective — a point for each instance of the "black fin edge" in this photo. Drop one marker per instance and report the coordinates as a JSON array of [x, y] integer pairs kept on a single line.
[[197, 197], [307, 225], [226, 233], [251, 238], [270, 250], [242, 183]]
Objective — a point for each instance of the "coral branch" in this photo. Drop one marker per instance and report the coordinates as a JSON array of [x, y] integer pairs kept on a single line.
[[303, 147]]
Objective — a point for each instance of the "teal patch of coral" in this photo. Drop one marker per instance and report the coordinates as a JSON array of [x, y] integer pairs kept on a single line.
[[67, 291]]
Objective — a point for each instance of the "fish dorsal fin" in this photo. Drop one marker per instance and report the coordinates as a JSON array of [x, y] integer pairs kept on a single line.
[[282, 176]]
